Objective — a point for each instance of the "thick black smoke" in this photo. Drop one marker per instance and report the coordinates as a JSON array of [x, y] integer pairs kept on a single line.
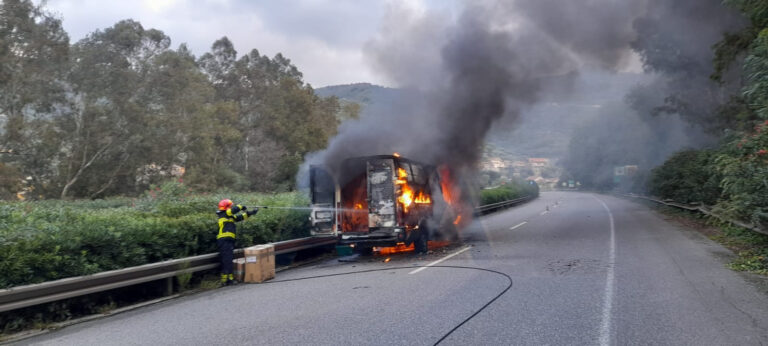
[[465, 73], [495, 59]]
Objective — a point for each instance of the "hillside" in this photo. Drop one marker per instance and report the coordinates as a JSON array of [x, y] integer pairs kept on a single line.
[[543, 130], [374, 100]]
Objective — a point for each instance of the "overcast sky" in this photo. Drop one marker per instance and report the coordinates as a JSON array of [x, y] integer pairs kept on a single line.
[[323, 38]]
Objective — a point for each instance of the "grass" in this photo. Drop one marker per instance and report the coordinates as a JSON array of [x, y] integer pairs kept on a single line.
[[750, 247]]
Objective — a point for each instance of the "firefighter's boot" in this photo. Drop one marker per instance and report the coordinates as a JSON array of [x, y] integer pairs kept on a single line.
[[231, 280]]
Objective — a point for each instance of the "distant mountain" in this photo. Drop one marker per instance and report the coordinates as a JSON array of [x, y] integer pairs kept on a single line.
[[544, 130], [375, 100]]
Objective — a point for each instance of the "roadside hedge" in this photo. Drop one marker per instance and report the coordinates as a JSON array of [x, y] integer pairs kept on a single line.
[[733, 178], [688, 177], [511, 190], [49, 240]]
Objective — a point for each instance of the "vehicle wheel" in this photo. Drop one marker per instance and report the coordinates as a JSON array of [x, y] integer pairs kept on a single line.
[[364, 250], [421, 244]]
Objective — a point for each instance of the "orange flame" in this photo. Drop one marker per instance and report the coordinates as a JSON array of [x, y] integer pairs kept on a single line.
[[395, 154], [358, 206], [406, 193], [446, 183], [458, 219], [406, 198], [422, 198], [400, 247], [401, 175]]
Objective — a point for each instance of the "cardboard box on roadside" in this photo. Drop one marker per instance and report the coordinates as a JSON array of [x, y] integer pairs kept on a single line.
[[239, 265], [259, 263]]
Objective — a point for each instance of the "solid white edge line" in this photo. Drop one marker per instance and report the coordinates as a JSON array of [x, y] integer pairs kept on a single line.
[[440, 260], [518, 225], [605, 325]]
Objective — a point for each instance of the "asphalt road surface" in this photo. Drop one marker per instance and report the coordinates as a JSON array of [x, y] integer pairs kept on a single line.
[[585, 269]]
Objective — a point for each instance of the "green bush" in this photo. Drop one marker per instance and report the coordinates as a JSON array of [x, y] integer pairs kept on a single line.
[[49, 240], [687, 177], [508, 191], [743, 165], [733, 178]]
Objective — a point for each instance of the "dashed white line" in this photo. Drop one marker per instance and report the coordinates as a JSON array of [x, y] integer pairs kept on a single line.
[[605, 326], [518, 225], [440, 260]]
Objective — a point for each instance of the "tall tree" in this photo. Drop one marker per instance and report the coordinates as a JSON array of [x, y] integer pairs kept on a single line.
[[33, 55], [684, 60], [33, 60], [108, 112]]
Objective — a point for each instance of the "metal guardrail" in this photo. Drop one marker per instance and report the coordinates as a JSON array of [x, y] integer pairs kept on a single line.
[[485, 209], [29, 295], [702, 209]]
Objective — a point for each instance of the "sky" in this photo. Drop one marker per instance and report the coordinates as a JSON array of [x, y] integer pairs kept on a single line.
[[325, 39]]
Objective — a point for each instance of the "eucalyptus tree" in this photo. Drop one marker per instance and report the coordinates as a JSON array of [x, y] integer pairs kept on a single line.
[[104, 135], [33, 60]]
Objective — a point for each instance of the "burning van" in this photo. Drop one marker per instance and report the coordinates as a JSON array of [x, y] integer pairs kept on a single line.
[[383, 201]]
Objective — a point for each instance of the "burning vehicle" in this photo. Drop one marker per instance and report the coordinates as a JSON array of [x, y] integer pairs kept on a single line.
[[385, 201]]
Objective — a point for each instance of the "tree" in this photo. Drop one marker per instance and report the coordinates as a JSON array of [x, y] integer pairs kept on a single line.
[[279, 116], [117, 110], [301, 121], [219, 66], [685, 65], [107, 115], [33, 54], [207, 168], [33, 60], [10, 181], [756, 68]]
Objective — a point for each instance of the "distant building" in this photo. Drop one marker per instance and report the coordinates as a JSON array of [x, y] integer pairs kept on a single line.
[[546, 183], [538, 162], [495, 164]]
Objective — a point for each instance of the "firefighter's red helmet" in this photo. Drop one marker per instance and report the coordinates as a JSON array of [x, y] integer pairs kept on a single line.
[[224, 204]]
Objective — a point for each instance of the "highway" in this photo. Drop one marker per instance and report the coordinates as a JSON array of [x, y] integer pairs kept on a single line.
[[584, 269]]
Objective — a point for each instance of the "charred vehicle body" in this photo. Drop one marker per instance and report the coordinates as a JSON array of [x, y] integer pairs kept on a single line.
[[382, 201]]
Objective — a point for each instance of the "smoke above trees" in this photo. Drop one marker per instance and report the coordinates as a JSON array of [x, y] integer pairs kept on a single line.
[[496, 59]]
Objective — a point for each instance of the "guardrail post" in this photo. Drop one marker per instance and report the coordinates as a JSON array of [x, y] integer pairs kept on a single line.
[[169, 286]]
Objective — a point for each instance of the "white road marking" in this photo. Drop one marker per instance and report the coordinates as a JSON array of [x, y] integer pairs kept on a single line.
[[440, 260], [605, 326], [518, 225], [544, 212]]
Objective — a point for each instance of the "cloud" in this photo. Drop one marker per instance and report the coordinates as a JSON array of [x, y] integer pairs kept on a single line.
[[323, 38]]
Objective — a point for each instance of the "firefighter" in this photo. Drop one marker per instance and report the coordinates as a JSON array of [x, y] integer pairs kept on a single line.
[[228, 215]]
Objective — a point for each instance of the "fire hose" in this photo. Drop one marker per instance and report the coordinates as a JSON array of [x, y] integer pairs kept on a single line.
[[446, 335], [299, 208], [284, 208]]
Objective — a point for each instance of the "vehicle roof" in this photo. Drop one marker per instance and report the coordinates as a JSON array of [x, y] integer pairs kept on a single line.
[[380, 157]]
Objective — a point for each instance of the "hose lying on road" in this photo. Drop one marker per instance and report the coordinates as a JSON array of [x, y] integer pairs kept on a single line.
[[509, 279]]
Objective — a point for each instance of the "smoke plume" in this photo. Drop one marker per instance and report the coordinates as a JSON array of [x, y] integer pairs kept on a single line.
[[495, 59]]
